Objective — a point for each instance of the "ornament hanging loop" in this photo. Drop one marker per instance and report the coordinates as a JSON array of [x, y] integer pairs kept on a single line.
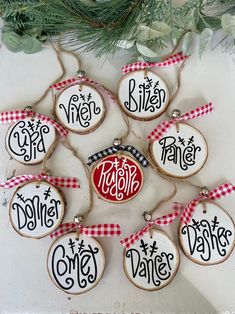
[[204, 192], [176, 115], [118, 143], [148, 218], [146, 71], [81, 74], [78, 219], [30, 112], [45, 171]]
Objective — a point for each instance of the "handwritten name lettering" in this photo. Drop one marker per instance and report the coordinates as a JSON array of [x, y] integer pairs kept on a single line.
[[27, 139], [145, 97], [74, 264], [150, 264], [118, 178], [80, 109], [205, 237], [39, 210], [179, 151]]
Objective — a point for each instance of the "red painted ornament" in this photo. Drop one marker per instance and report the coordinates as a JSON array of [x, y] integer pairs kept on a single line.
[[117, 178]]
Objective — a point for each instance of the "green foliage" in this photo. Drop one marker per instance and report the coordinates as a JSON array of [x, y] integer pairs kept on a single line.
[[145, 26]]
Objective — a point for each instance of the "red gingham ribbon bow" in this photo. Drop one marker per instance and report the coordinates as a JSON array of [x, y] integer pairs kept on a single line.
[[63, 182], [16, 115], [217, 193], [163, 127], [141, 65], [160, 221], [60, 85], [100, 230]]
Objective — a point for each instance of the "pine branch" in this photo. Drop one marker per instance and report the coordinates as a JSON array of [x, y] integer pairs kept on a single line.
[[100, 26]]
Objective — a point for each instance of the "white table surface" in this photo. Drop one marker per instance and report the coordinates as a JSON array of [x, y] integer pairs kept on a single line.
[[25, 286]]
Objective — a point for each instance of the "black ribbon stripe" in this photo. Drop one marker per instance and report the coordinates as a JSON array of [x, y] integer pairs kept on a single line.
[[137, 154], [101, 154], [114, 149]]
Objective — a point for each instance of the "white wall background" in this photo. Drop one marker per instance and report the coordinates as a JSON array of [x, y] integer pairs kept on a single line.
[[25, 286]]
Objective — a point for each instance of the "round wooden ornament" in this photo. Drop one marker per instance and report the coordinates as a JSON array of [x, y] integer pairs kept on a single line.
[[36, 209], [28, 140], [75, 265], [181, 152], [117, 178], [152, 262], [143, 95], [80, 108], [209, 238]]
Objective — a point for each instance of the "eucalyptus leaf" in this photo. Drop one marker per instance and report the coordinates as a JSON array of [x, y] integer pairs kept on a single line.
[[131, 34], [176, 34], [125, 44], [7, 28], [145, 51], [205, 39], [217, 9], [180, 21], [188, 38], [43, 38], [35, 31], [161, 27], [146, 33], [30, 44], [228, 24], [192, 20], [12, 41], [156, 30]]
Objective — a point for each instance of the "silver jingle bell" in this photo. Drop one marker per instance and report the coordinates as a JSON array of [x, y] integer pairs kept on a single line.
[[204, 191], [81, 73], [117, 142], [147, 216], [28, 108], [78, 218], [175, 113]]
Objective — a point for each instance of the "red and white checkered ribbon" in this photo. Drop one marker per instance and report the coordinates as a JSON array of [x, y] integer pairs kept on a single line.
[[163, 127], [160, 221], [63, 182], [16, 115], [100, 230], [217, 193], [60, 85], [142, 65]]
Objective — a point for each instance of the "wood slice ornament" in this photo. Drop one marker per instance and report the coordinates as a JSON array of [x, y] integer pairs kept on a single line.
[[178, 149], [181, 152], [152, 262], [209, 238], [28, 140], [117, 177], [36, 209], [80, 107], [143, 95], [75, 265]]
